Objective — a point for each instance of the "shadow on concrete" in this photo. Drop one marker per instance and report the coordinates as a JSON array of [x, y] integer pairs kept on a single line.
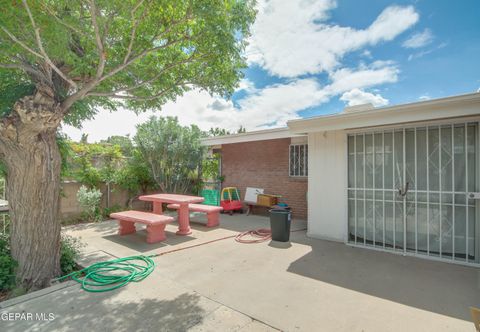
[[100, 311], [102, 227], [242, 223], [443, 288], [137, 241], [279, 245]]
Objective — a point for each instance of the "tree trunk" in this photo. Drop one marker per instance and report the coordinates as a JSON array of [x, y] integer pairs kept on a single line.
[[33, 163]]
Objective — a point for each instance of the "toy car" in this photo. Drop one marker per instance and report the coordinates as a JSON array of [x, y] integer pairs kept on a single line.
[[230, 200]]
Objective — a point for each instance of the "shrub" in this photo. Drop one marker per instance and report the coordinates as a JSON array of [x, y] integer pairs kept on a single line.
[[135, 175], [173, 153], [69, 252], [89, 200], [93, 163], [7, 265], [107, 211]]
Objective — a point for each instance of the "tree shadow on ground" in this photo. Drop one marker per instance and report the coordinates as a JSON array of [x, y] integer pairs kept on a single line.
[[443, 288], [101, 312], [102, 227], [242, 222], [137, 240]]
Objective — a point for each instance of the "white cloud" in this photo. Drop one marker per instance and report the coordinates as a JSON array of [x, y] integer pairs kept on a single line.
[[359, 97], [426, 51], [419, 39], [271, 106], [424, 97], [106, 124], [290, 45], [246, 85], [346, 79], [367, 54]]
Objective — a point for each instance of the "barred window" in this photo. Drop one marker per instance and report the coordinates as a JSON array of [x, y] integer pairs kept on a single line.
[[298, 160]]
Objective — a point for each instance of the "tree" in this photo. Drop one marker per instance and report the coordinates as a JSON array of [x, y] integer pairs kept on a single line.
[[135, 175], [217, 131], [124, 142], [173, 153], [62, 60]]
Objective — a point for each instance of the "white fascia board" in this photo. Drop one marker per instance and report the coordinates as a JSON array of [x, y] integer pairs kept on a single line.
[[260, 135], [444, 108]]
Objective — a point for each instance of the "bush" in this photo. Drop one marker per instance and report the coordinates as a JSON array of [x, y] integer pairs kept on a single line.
[[107, 211], [135, 175], [89, 200], [7, 265], [69, 252], [91, 164], [173, 153]]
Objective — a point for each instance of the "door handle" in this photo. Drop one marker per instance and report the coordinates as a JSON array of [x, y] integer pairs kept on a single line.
[[403, 191]]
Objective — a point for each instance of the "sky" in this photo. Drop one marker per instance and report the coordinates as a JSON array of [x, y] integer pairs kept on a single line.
[[313, 57]]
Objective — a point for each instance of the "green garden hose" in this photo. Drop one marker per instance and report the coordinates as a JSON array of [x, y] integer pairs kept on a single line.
[[116, 273], [113, 274]]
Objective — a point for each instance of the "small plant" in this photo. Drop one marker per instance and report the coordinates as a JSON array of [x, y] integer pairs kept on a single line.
[[69, 252], [89, 200], [7, 265], [107, 211]]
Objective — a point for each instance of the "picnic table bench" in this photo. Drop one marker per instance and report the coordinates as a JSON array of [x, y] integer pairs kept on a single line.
[[155, 223], [183, 200], [213, 212]]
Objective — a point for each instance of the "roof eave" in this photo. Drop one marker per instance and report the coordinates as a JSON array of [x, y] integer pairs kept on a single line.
[[465, 105], [259, 135]]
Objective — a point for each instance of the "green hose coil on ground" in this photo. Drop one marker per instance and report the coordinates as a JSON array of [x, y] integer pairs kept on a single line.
[[113, 274]]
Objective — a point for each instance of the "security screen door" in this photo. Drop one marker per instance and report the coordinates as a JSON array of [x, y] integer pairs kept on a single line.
[[409, 190]]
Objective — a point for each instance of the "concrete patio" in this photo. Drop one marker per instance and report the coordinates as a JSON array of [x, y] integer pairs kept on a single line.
[[310, 285]]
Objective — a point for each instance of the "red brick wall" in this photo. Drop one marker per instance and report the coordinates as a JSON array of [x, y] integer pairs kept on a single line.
[[264, 164]]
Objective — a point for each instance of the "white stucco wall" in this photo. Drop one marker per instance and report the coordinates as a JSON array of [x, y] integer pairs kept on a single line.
[[327, 183]]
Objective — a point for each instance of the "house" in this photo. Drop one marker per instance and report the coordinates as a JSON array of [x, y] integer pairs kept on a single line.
[[403, 178], [273, 159]]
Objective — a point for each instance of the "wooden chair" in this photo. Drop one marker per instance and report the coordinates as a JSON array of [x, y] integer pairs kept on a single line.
[[475, 312]]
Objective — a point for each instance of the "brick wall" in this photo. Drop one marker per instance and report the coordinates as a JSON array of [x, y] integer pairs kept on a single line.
[[264, 164]]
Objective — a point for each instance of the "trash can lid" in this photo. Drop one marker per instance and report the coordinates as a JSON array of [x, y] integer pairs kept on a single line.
[[277, 210]]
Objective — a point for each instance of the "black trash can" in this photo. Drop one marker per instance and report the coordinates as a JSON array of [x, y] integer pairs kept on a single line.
[[280, 220]]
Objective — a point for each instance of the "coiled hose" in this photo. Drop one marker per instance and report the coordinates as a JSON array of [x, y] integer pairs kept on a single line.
[[115, 273], [254, 236]]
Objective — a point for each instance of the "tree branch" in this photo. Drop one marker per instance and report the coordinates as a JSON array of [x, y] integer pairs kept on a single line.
[[19, 42], [134, 30], [138, 56], [69, 101], [42, 50], [12, 66], [106, 28], [138, 85], [98, 40], [178, 83], [25, 66], [59, 20]]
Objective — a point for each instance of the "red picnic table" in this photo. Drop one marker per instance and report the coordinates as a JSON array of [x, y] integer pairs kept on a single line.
[[181, 200]]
